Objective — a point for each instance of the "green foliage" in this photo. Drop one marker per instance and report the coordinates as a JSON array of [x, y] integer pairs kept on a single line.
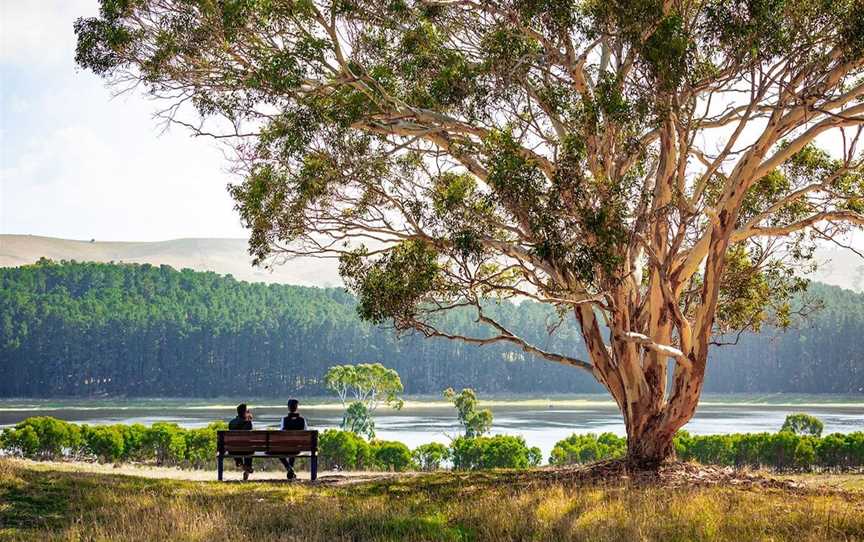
[[358, 420], [367, 385], [588, 448], [392, 456], [133, 441], [165, 442], [85, 329], [803, 424], [667, 52], [104, 441], [800, 448], [752, 291], [475, 422], [43, 437], [200, 444], [430, 457], [162, 443], [497, 452], [344, 450], [784, 450], [392, 286], [21, 441]]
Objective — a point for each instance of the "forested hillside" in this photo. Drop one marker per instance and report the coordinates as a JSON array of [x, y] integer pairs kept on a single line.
[[83, 329]]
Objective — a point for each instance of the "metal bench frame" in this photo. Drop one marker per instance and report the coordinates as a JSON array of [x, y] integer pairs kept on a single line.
[[258, 448]]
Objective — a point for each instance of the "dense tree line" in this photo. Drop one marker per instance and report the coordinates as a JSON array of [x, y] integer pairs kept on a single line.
[[88, 329]]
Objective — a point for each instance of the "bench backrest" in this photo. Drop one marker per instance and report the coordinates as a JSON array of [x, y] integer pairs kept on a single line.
[[267, 441]]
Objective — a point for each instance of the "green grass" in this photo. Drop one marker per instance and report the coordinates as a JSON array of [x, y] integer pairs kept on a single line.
[[42, 504]]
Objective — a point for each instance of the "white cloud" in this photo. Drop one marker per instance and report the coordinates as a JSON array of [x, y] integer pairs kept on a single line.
[[76, 162]]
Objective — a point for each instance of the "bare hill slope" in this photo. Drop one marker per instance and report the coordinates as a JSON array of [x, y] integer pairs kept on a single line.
[[224, 256], [229, 256]]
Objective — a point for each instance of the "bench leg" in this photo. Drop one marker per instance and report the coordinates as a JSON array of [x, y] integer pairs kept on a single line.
[[313, 467], [219, 467]]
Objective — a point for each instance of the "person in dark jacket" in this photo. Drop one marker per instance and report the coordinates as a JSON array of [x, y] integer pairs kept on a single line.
[[292, 422], [243, 422]]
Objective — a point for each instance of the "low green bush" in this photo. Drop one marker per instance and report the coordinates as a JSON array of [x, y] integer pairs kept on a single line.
[[105, 442], [785, 450], [391, 455], [587, 448], [500, 451], [43, 437], [343, 450], [429, 457]]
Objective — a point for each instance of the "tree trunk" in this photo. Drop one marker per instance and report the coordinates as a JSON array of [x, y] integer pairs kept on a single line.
[[638, 379], [648, 449]]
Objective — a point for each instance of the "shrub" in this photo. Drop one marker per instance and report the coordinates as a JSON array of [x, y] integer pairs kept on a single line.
[[587, 448], [201, 444], [391, 455], [711, 449], [779, 450], [805, 453], [803, 424], [166, 443], [430, 456], [343, 450], [134, 437], [44, 437], [21, 441], [501, 451], [104, 442]]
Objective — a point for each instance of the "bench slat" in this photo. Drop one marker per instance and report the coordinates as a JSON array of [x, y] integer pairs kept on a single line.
[[268, 441]]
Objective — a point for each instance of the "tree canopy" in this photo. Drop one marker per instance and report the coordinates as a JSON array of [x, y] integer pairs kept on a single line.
[[654, 165], [361, 389]]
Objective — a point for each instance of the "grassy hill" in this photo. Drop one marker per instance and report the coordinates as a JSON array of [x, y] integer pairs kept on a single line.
[[44, 503], [223, 256]]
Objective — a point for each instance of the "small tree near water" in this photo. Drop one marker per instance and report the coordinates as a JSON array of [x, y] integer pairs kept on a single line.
[[361, 389], [476, 422], [803, 424]]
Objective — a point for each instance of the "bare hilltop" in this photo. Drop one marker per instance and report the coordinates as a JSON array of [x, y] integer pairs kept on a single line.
[[223, 256], [230, 257]]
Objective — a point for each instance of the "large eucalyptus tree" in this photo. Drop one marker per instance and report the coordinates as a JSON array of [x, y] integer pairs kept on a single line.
[[652, 168]]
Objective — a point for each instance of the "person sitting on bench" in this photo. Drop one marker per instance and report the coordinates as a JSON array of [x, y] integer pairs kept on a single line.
[[292, 422], [243, 422]]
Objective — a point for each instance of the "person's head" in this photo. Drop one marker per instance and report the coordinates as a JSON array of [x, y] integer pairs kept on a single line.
[[293, 404], [241, 410]]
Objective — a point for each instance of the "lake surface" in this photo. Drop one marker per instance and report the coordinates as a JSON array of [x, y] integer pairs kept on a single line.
[[542, 422]]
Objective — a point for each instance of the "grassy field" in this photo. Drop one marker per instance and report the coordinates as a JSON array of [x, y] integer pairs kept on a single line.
[[42, 503]]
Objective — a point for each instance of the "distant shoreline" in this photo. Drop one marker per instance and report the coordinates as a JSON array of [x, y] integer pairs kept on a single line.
[[414, 402]]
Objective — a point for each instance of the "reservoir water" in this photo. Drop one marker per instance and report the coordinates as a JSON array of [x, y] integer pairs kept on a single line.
[[541, 421]]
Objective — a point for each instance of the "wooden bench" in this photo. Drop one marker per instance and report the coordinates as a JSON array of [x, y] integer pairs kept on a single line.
[[267, 443]]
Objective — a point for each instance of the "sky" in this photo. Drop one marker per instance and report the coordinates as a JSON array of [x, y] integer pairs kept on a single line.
[[77, 163]]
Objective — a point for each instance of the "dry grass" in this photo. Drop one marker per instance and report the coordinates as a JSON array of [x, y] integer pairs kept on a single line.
[[48, 504]]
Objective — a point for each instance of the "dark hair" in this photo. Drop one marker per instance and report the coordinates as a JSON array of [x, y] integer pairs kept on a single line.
[[241, 409], [293, 404]]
